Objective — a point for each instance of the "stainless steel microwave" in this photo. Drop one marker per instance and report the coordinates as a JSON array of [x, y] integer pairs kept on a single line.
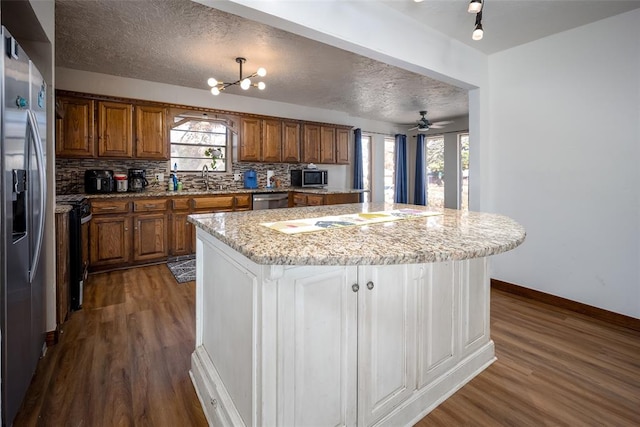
[[309, 178]]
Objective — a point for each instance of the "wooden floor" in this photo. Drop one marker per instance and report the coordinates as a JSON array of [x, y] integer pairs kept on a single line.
[[124, 360]]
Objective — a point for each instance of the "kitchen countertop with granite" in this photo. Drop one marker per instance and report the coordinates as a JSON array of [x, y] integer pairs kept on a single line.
[[162, 192], [453, 235]]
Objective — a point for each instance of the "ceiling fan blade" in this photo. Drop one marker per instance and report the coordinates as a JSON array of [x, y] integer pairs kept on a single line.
[[436, 126], [414, 128], [442, 123]]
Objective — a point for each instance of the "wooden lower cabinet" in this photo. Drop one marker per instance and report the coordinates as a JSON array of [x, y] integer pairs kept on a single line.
[[182, 234], [110, 240], [299, 199], [150, 237], [126, 232], [62, 267]]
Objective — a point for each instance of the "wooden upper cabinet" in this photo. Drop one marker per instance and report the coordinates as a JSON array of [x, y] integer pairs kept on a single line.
[[310, 143], [327, 144], [115, 136], [342, 146], [75, 132], [271, 141], [290, 142], [152, 139], [250, 144]]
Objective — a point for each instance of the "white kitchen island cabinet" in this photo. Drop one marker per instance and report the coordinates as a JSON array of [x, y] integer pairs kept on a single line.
[[339, 342]]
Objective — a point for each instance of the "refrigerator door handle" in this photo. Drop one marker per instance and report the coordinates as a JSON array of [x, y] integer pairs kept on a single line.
[[35, 132]]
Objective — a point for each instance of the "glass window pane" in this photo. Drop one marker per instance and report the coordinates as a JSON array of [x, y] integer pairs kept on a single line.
[[192, 137]]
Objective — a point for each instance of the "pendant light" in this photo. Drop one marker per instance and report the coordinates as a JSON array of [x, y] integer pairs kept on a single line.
[[475, 6], [478, 32]]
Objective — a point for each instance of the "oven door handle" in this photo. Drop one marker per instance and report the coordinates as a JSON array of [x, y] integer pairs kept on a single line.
[[86, 219]]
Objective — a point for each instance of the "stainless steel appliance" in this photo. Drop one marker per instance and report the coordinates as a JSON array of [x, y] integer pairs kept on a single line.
[[98, 181], [23, 192], [309, 178], [137, 179], [270, 200]]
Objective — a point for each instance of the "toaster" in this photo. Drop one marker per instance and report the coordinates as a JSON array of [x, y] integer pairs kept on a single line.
[[98, 181]]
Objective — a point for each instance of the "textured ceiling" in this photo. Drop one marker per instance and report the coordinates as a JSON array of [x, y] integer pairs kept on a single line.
[[183, 43]]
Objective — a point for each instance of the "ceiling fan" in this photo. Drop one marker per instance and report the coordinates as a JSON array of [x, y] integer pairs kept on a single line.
[[424, 124]]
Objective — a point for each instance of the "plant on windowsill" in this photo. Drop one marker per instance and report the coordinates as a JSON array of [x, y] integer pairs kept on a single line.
[[215, 155]]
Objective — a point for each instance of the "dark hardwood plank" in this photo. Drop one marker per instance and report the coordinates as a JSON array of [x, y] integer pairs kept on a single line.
[[124, 359]]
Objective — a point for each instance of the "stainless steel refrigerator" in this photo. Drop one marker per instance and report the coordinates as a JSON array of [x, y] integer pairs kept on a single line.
[[23, 192]]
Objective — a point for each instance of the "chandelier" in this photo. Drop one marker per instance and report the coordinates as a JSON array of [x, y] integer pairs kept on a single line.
[[243, 82]]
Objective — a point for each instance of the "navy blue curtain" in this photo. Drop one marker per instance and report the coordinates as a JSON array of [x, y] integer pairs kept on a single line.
[[401, 193], [420, 189], [358, 175]]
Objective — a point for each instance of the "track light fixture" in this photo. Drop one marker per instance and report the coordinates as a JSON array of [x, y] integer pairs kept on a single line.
[[243, 82], [475, 6], [478, 32]]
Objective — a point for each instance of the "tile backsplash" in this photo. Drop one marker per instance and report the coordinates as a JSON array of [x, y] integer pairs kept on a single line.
[[70, 173]]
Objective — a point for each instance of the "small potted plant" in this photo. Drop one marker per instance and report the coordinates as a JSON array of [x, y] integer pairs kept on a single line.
[[215, 155]]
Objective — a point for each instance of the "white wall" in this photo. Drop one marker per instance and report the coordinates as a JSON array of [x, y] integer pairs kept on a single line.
[[565, 138]]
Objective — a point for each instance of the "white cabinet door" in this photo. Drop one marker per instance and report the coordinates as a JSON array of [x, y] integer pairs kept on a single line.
[[437, 320], [317, 339], [474, 292], [386, 339]]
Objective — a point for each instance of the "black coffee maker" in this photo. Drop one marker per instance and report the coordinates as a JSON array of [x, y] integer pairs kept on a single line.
[[137, 179]]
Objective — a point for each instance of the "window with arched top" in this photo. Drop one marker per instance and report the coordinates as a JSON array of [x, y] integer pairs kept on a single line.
[[198, 140]]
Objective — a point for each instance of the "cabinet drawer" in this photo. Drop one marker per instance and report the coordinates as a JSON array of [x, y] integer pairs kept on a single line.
[[218, 202], [243, 201], [315, 200], [180, 204], [154, 205], [109, 206], [299, 199]]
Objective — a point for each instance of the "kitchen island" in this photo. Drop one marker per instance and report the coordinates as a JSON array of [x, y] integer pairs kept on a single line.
[[372, 324]]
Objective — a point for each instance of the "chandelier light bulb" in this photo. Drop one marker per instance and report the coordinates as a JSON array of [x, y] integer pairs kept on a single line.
[[245, 84], [215, 90], [261, 72], [212, 82], [475, 6], [261, 85], [478, 33]]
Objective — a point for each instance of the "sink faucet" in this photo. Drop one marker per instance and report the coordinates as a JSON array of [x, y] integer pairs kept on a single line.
[[205, 175]]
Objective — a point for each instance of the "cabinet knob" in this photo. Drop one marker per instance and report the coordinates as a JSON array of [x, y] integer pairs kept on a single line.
[[355, 287], [369, 285]]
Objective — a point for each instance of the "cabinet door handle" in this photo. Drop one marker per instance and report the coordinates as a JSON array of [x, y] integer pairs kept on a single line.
[[355, 287], [369, 285], [108, 208]]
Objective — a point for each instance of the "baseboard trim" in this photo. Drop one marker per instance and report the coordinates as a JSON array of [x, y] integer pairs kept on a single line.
[[51, 338], [587, 310]]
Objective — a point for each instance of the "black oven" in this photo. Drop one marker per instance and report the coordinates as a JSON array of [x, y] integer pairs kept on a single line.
[[79, 218]]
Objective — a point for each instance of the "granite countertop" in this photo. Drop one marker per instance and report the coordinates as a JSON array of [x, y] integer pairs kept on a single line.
[[454, 235], [162, 192], [62, 208]]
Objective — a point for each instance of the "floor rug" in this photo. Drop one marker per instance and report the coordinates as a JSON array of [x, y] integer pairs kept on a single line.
[[184, 270]]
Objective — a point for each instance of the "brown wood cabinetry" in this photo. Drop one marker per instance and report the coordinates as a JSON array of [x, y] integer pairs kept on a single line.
[[181, 230], [327, 144], [77, 137], [74, 132], [110, 240], [271, 141], [310, 143], [250, 140], [299, 199], [242, 202], [152, 141], [342, 146], [150, 230], [290, 141], [120, 237], [115, 136], [62, 267]]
